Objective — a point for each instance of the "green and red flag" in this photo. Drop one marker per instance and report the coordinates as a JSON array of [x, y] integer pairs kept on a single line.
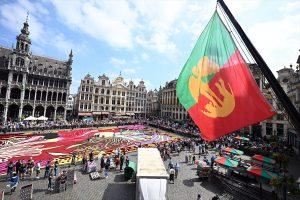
[[216, 87]]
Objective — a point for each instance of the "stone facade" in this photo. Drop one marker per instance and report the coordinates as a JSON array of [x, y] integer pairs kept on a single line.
[[101, 98], [169, 104], [32, 84], [152, 107], [278, 124], [291, 79]]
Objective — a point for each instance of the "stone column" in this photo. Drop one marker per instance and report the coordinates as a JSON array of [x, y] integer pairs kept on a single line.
[[33, 110], [20, 111], [22, 95], [5, 112], [54, 119], [45, 108], [35, 95], [10, 75], [65, 114]]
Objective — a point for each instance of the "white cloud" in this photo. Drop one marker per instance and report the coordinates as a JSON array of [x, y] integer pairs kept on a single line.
[[14, 14], [290, 6], [160, 18], [120, 64], [109, 21], [239, 7], [145, 56], [278, 41]]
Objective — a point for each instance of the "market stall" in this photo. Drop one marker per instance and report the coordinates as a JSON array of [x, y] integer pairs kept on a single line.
[[129, 170]]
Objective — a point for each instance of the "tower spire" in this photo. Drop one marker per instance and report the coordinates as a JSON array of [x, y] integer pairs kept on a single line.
[[27, 17], [70, 61]]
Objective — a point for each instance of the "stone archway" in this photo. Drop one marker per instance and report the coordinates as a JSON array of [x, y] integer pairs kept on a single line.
[[15, 93], [64, 97], [32, 94], [27, 111], [26, 96], [54, 95], [44, 95], [13, 112], [39, 111], [49, 96], [59, 97], [3, 92], [50, 112], [38, 95], [60, 113]]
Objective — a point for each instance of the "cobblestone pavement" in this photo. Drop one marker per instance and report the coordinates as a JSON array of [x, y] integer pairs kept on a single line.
[[186, 186]]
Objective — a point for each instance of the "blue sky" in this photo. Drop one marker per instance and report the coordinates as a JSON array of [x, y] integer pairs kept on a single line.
[[149, 39]]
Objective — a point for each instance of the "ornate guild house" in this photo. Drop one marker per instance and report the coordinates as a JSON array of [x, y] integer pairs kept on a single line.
[[32, 85]]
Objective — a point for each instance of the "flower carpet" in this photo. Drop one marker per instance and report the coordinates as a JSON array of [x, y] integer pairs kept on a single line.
[[60, 146]]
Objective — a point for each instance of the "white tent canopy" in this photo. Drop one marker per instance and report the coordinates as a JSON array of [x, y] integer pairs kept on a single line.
[[42, 118], [30, 118], [153, 188]]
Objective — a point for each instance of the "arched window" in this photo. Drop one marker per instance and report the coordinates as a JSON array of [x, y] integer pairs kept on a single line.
[[34, 68], [20, 61], [55, 72], [45, 70]]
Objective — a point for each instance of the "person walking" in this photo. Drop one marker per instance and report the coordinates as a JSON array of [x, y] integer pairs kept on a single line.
[[56, 168], [18, 166], [121, 162], [50, 178], [47, 169], [73, 162], [194, 159], [30, 166], [22, 169], [199, 197], [127, 161], [10, 170], [117, 162], [38, 169], [176, 168], [91, 156], [106, 168], [102, 163], [172, 174]]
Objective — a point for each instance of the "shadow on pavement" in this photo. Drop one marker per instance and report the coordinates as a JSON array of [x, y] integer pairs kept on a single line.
[[119, 191], [190, 182], [211, 187], [119, 178]]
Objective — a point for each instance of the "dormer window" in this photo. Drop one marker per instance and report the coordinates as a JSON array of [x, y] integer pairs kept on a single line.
[[103, 82]]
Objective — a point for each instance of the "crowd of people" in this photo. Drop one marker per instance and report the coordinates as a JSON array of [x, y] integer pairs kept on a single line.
[[22, 170], [186, 129]]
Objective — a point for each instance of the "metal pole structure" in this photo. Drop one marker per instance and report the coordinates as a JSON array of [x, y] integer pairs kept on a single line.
[[279, 92]]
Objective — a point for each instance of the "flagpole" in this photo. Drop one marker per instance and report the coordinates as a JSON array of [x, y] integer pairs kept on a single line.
[[279, 92]]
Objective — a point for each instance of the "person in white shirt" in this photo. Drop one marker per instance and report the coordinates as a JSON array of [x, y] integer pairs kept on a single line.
[[172, 174]]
